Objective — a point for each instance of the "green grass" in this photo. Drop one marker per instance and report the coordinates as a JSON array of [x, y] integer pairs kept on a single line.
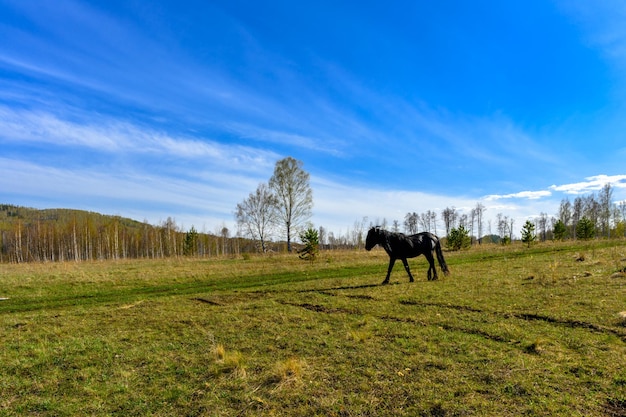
[[512, 331]]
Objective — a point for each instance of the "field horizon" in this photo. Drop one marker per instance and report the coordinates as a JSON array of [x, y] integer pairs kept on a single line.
[[512, 331]]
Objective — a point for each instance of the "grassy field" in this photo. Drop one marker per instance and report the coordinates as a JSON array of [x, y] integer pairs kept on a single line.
[[512, 331]]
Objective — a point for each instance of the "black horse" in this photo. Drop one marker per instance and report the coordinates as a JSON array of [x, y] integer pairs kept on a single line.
[[400, 246]]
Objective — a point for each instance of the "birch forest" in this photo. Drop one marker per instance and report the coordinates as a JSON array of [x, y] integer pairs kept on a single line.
[[30, 235]]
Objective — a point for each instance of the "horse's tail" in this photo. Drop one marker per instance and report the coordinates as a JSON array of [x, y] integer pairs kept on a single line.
[[442, 262]]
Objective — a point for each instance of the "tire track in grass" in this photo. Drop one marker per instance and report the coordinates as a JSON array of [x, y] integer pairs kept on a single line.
[[575, 324], [596, 328], [64, 296], [329, 310], [478, 332], [322, 309]]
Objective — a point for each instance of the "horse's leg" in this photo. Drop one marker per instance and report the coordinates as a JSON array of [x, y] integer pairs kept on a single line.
[[432, 271], [391, 262], [408, 270]]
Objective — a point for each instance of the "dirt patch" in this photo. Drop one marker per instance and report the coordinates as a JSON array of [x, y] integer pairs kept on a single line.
[[322, 309], [229, 299], [450, 306], [347, 287], [615, 407], [207, 301]]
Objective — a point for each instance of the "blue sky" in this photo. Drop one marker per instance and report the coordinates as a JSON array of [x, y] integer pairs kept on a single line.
[[180, 109]]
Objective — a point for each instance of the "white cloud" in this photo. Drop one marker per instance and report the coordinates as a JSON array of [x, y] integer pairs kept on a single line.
[[530, 195], [593, 183]]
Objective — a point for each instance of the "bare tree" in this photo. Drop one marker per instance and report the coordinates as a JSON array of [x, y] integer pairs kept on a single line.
[[225, 235], [616, 215], [479, 212], [332, 241], [622, 209], [424, 220], [463, 220], [290, 183], [542, 225], [502, 221], [410, 223], [606, 197], [257, 214], [322, 235], [565, 215], [591, 209], [357, 233], [449, 216], [577, 214], [472, 222], [433, 221], [428, 221]]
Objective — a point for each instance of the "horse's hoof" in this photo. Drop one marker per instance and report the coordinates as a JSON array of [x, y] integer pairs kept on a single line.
[[384, 283]]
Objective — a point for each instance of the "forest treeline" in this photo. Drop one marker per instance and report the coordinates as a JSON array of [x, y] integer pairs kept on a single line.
[[51, 235], [31, 235]]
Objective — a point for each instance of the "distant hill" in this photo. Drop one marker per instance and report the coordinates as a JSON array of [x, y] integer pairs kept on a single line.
[[29, 234], [11, 214]]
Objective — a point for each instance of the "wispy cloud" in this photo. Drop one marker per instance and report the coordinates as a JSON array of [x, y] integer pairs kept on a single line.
[[591, 184], [381, 120], [41, 127], [141, 195], [530, 195], [603, 23], [264, 98], [112, 136], [271, 136]]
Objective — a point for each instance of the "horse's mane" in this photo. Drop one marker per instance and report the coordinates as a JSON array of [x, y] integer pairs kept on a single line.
[[384, 232]]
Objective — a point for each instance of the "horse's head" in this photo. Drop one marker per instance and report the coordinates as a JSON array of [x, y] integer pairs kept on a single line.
[[373, 237]]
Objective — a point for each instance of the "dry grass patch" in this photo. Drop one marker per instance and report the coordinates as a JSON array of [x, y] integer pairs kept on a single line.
[[289, 371], [359, 336], [229, 362]]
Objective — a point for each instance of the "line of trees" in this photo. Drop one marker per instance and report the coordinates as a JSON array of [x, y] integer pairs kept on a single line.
[[593, 215], [607, 219], [588, 216], [29, 235]]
